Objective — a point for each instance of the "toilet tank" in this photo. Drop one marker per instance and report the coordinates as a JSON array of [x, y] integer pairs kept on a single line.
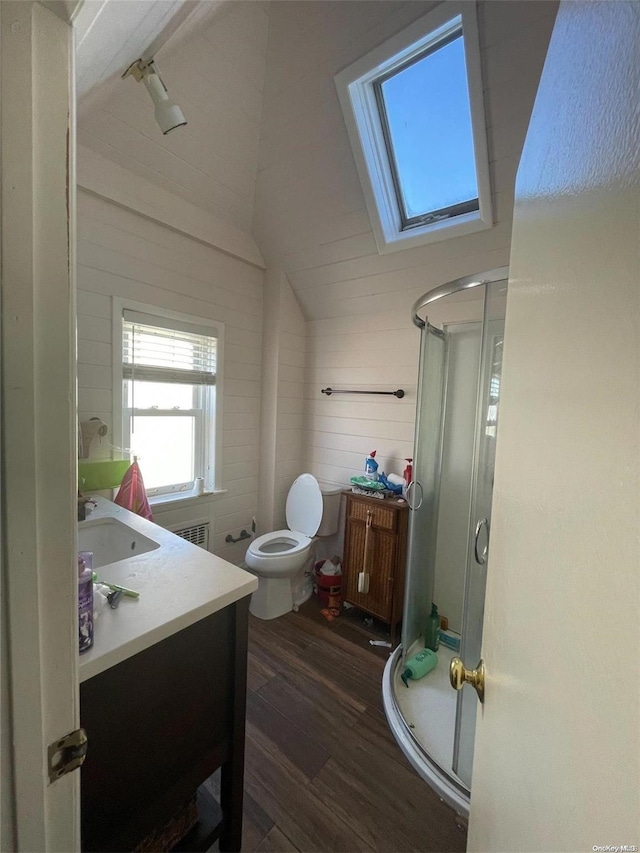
[[330, 509]]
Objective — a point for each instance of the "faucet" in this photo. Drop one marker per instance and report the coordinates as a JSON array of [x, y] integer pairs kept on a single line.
[[82, 505]]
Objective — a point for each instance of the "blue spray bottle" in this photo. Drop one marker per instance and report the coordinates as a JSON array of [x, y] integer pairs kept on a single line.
[[371, 466]]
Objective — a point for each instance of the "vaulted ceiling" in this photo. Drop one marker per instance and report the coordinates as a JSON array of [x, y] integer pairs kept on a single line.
[[266, 148], [211, 56]]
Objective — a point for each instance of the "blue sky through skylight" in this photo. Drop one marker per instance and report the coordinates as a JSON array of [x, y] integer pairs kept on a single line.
[[427, 106]]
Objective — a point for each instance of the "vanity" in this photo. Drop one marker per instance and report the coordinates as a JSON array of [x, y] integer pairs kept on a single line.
[[163, 691]]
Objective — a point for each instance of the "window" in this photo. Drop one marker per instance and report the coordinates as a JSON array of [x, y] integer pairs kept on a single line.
[[169, 386], [415, 116]]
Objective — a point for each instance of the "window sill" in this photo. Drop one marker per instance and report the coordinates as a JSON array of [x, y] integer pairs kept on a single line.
[[161, 502], [389, 239]]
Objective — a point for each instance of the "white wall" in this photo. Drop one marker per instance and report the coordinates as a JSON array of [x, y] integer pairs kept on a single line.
[[216, 76], [281, 434], [123, 254], [310, 215], [291, 393], [557, 763]]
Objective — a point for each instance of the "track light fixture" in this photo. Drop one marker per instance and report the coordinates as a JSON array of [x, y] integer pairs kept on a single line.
[[168, 115]]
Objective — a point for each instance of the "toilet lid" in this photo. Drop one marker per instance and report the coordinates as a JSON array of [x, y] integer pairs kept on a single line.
[[304, 505]]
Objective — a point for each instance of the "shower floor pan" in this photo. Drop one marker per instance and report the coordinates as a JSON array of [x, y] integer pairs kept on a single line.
[[422, 719]]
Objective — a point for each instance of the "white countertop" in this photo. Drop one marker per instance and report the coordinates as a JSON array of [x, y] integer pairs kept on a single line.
[[179, 584]]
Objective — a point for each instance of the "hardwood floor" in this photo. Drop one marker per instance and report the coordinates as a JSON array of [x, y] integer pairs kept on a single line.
[[323, 772]]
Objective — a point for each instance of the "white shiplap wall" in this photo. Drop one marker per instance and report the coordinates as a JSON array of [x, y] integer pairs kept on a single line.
[[291, 400], [216, 75], [123, 254], [283, 399], [310, 215]]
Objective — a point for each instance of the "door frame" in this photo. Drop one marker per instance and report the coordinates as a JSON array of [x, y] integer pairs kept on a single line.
[[39, 575]]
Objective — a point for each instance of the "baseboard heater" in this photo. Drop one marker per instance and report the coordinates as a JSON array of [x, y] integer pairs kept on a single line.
[[197, 534]]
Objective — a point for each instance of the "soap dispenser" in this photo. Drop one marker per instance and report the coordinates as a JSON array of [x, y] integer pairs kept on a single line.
[[419, 666]]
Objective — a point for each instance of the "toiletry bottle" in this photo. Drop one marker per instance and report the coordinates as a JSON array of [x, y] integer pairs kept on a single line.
[[85, 600], [450, 641], [432, 630], [408, 471], [371, 466], [419, 665]]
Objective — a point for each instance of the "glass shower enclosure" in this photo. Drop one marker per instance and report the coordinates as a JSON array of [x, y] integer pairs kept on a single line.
[[462, 334]]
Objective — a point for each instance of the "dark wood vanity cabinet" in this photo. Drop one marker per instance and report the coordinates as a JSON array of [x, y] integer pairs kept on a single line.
[[159, 724], [376, 543]]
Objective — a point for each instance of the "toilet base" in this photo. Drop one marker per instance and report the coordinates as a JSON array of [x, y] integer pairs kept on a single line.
[[272, 598]]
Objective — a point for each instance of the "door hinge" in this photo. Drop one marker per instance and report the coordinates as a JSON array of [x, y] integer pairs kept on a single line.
[[67, 754]]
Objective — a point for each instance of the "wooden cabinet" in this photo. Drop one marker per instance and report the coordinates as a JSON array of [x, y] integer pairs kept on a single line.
[[375, 544], [159, 724]]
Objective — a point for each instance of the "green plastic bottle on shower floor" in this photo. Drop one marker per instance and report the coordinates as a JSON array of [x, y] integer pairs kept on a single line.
[[419, 665]]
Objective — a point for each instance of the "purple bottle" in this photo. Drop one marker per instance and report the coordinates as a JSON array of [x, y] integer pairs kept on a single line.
[[85, 600]]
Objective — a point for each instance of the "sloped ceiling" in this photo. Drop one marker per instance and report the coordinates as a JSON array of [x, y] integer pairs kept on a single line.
[[310, 215], [211, 56], [111, 35], [266, 148]]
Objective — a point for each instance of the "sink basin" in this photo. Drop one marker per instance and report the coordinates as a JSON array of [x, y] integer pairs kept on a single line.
[[111, 541]]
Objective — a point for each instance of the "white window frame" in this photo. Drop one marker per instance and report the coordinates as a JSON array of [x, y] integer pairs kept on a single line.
[[210, 452], [356, 92]]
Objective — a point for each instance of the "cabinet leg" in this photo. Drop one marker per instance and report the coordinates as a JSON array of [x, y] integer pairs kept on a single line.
[[232, 775], [231, 797]]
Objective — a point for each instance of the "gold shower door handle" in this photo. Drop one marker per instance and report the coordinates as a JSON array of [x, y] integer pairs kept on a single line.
[[458, 675]]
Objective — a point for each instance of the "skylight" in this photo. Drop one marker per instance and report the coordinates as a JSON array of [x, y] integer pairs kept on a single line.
[[415, 115]]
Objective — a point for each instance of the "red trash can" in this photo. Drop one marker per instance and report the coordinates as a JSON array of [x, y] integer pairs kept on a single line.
[[328, 588]]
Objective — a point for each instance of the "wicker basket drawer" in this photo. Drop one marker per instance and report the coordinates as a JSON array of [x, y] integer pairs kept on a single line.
[[383, 517]]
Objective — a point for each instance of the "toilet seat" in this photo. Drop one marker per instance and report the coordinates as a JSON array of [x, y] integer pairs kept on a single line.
[[278, 554], [278, 543]]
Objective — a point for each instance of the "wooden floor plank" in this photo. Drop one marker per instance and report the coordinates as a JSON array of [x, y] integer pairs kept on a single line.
[[322, 766], [258, 673], [303, 751], [362, 683], [284, 793], [298, 671], [277, 842], [316, 710], [389, 809]]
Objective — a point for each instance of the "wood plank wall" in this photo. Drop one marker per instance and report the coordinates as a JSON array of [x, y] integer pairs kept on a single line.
[[290, 461], [123, 254]]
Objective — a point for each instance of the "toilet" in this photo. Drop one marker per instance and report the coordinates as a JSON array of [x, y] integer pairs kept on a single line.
[[279, 558]]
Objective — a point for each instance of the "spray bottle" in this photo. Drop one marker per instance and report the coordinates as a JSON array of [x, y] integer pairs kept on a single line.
[[371, 466]]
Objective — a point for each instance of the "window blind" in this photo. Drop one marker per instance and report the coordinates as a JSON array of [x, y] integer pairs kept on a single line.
[[164, 350]]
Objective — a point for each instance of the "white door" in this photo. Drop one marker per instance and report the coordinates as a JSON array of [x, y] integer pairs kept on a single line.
[[557, 759], [39, 576]]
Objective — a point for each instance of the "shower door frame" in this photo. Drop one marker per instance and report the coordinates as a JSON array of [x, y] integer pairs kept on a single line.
[[466, 283], [440, 778]]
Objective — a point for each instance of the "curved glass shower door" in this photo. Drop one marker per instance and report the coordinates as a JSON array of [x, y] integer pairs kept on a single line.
[[423, 493], [486, 432], [456, 432]]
